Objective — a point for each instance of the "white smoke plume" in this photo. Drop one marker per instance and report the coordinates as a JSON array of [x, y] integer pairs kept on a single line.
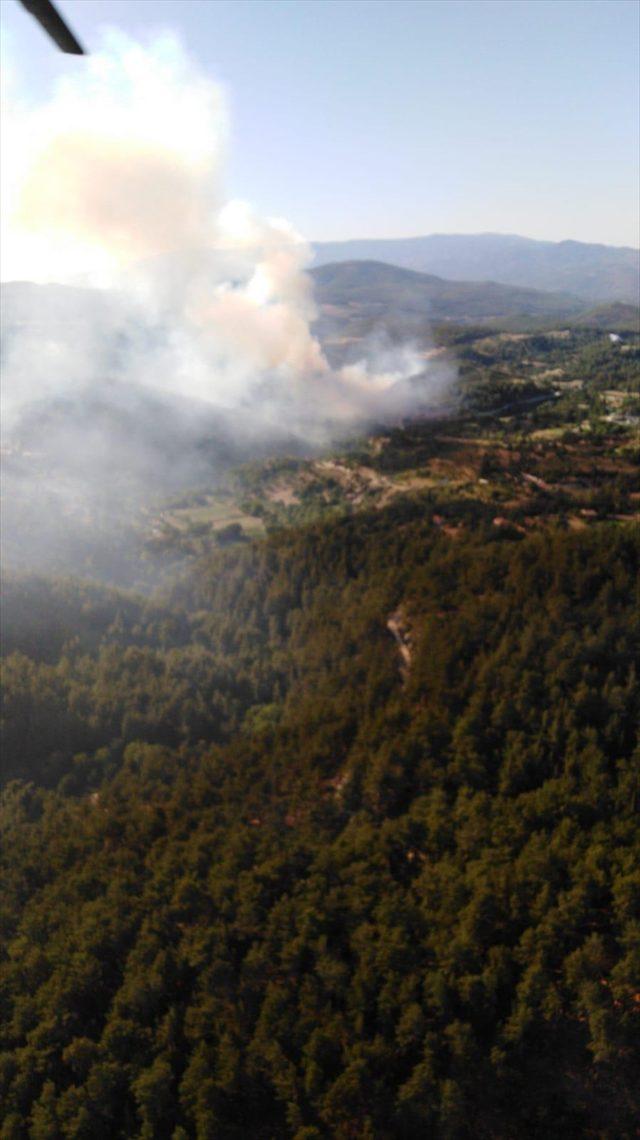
[[114, 199], [117, 182]]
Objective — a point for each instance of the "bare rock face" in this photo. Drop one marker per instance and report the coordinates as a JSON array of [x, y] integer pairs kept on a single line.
[[401, 633]]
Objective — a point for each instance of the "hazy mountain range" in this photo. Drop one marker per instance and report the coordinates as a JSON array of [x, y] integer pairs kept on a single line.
[[595, 273], [360, 298]]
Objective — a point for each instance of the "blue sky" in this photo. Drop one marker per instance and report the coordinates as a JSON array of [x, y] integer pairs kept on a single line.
[[368, 118]]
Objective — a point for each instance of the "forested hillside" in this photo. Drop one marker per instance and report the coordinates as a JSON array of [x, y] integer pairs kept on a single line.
[[335, 838]]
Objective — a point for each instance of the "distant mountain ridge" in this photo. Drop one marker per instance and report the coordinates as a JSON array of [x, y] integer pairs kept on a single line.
[[595, 273]]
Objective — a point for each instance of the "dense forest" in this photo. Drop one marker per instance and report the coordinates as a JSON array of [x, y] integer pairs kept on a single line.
[[335, 836]]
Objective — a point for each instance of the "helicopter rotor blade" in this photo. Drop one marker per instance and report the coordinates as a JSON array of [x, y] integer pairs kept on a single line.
[[51, 20]]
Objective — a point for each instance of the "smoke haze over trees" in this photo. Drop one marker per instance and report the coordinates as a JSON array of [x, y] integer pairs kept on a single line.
[[177, 335]]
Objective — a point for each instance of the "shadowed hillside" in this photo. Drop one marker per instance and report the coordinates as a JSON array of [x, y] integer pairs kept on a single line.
[[386, 288]]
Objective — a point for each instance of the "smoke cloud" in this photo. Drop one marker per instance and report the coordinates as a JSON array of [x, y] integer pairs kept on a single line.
[[153, 281]]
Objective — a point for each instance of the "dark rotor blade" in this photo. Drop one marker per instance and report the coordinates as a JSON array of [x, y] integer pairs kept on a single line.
[[52, 22]]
